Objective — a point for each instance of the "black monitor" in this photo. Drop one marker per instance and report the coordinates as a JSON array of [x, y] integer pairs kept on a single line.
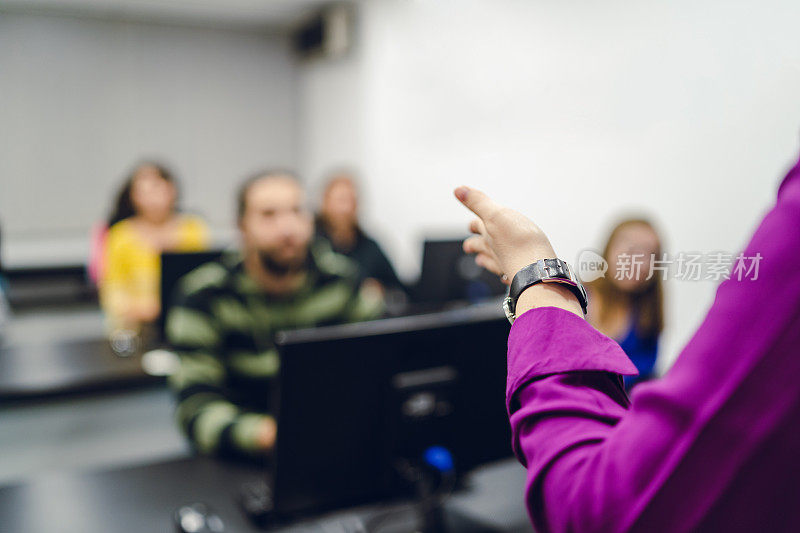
[[175, 265], [448, 274], [355, 400]]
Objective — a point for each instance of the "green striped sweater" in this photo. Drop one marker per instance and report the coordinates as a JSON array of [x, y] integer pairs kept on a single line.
[[222, 328]]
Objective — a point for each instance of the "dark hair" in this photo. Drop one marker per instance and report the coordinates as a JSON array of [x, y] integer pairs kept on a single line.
[[246, 185], [123, 205]]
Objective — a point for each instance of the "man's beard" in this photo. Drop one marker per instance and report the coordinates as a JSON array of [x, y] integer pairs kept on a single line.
[[282, 268]]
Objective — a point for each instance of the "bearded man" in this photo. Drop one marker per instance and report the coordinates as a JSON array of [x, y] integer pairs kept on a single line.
[[228, 311]]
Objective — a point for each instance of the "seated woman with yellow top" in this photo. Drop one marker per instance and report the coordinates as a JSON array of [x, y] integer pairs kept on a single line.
[[146, 223]]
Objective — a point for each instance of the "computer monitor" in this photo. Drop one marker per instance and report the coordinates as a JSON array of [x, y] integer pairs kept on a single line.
[[355, 399], [448, 274], [175, 265]]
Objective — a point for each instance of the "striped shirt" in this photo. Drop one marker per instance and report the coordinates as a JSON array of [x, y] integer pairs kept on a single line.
[[222, 327]]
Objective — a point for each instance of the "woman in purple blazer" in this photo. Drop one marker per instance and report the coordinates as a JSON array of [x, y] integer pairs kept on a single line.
[[712, 446]]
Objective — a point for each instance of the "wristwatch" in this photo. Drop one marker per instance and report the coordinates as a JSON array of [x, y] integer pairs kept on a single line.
[[543, 271]]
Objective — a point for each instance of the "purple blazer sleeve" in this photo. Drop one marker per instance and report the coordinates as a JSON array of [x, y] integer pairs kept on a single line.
[[713, 445]]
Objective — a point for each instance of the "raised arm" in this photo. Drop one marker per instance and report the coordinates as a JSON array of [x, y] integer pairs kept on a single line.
[[597, 463]]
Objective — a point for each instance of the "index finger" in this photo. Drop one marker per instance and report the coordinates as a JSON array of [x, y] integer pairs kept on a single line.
[[477, 202]]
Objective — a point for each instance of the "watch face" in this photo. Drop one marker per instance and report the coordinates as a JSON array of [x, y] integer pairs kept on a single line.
[[507, 309]]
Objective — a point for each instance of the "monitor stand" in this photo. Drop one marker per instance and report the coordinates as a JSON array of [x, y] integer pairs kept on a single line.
[[430, 514]]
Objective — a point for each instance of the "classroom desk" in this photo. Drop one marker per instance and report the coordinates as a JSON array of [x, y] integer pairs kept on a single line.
[[36, 285], [143, 499], [45, 371]]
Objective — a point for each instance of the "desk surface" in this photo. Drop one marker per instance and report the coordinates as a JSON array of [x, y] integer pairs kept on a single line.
[[143, 498], [42, 371]]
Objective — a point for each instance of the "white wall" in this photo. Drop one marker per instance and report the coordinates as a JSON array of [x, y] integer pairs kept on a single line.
[[330, 117], [573, 112], [81, 100]]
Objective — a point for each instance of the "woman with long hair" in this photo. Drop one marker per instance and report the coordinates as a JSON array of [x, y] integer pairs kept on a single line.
[[144, 223], [624, 304]]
